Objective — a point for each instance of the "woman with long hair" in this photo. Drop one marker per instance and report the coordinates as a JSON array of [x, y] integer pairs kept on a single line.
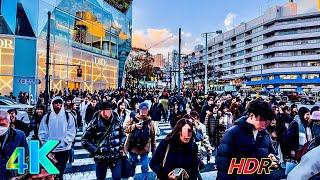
[[36, 119], [177, 150], [122, 111], [175, 115]]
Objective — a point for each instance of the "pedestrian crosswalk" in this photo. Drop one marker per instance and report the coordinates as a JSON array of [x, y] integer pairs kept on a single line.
[[83, 166]]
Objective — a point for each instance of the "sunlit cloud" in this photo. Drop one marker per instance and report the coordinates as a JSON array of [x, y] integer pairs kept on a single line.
[[228, 21], [162, 41]]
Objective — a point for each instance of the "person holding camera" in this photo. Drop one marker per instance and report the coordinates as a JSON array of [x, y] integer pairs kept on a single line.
[[141, 138], [104, 139], [177, 155]]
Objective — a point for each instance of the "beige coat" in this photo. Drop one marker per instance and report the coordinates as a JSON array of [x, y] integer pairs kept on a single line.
[[129, 126]]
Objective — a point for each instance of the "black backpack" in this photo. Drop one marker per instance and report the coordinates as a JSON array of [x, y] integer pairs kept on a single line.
[[140, 137]]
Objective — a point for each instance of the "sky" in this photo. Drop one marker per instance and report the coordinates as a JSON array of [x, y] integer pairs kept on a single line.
[[156, 20]]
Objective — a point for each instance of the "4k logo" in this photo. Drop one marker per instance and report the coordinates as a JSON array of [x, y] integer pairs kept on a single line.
[[37, 156]]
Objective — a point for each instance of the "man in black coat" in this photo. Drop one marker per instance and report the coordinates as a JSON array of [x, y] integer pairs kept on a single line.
[[246, 139], [91, 109], [104, 139]]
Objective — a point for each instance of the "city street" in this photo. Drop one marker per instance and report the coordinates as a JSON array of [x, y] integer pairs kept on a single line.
[[215, 70], [83, 166]]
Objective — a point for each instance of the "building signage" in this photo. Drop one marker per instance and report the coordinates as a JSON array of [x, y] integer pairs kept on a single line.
[[102, 61], [6, 43], [29, 81]]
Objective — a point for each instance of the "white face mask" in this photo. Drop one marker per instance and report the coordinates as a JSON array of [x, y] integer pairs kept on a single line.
[[3, 130]]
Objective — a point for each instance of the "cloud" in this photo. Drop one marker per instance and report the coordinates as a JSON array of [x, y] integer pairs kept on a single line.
[[228, 21], [163, 41], [308, 6]]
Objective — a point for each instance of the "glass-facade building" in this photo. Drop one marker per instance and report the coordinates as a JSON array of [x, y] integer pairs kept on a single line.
[[91, 35]]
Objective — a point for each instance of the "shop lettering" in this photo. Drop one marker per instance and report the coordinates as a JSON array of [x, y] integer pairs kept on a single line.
[[250, 166], [6, 43], [100, 61]]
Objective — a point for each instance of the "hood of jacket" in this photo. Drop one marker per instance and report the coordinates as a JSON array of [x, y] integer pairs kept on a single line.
[[62, 110]]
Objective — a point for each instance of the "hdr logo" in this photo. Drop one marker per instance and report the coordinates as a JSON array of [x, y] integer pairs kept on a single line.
[[6, 43], [250, 166]]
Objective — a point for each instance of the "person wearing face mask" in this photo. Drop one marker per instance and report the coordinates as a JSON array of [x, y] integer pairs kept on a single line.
[[104, 139], [206, 108], [299, 132], [246, 139], [141, 139], [10, 139], [37, 117], [177, 150], [58, 125]]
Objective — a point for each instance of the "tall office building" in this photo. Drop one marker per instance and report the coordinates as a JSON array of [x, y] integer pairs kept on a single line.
[[158, 61]]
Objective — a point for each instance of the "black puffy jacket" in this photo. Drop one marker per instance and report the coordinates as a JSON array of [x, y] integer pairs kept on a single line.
[[238, 142], [114, 142]]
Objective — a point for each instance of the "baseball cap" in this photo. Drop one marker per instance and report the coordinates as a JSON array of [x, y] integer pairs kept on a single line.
[[144, 105]]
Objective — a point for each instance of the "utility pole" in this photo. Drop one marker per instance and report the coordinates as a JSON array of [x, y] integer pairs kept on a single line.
[[179, 59], [205, 35], [46, 91], [206, 67], [261, 76]]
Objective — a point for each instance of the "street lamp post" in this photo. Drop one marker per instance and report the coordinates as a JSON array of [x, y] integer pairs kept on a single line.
[[46, 91], [179, 59], [205, 35], [261, 76]]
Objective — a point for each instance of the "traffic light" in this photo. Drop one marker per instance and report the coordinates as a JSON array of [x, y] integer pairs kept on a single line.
[[79, 72]]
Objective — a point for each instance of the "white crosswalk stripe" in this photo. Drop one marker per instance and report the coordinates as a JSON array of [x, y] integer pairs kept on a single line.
[[83, 166]]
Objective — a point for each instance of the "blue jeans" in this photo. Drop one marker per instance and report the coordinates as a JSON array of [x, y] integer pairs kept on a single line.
[[144, 163], [101, 170]]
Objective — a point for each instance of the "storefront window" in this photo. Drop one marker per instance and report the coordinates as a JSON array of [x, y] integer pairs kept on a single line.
[[310, 76], [6, 64], [256, 79], [84, 35], [289, 76]]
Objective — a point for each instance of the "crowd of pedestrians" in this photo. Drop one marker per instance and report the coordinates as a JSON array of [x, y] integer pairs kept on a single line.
[[121, 126]]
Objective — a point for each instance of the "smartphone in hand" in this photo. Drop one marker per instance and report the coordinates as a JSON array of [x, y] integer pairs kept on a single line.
[[177, 172]]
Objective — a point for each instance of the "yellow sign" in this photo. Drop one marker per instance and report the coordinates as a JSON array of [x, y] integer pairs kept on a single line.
[[318, 5], [6, 43]]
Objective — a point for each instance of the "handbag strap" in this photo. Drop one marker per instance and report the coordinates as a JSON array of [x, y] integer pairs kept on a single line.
[[165, 156], [104, 136]]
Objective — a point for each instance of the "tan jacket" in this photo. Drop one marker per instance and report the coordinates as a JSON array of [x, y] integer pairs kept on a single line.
[[129, 126]]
